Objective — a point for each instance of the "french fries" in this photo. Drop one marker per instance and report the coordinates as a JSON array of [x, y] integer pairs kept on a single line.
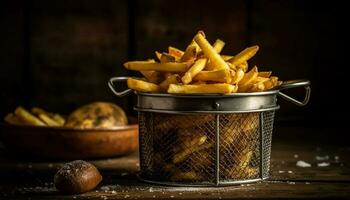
[[197, 67], [222, 76], [202, 69], [218, 45], [27, 117], [171, 79], [219, 88], [35, 117], [244, 55], [142, 86], [210, 52], [163, 67]]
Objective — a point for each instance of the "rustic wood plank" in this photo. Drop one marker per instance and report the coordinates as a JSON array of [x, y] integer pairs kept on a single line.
[[120, 179]]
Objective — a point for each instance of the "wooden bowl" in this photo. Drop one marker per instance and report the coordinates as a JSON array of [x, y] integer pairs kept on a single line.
[[69, 143]]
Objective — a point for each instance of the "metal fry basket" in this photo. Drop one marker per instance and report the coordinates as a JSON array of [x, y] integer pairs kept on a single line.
[[207, 139]]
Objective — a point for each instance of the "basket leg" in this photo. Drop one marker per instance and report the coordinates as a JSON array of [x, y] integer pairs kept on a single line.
[[261, 144], [217, 150]]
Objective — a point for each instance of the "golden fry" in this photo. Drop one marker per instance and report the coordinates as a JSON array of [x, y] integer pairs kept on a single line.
[[190, 146], [142, 86], [237, 77], [226, 57], [218, 45], [172, 79], [59, 119], [162, 67], [151, 76], [12, 119], [158, 55], [220, 88], [56, 117], [27, 117], [197, 67], [48, 121], [248, 80], [222, 75], [177, 53], [271, 83], [243, 66], [266, 74], [260, 79], [257, 87], [209, 51], [166, 58], [244, 55], [190, 53]]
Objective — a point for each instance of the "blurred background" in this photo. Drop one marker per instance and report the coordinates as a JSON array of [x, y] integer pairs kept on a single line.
[[59, 54]]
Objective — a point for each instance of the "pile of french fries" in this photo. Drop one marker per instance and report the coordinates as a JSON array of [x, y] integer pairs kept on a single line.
[[200, 69], [35, 117]]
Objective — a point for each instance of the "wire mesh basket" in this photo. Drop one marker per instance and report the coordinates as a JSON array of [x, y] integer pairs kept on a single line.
[[207, 139]]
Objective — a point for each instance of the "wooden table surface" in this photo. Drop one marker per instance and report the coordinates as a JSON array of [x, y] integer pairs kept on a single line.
[[34, 180]]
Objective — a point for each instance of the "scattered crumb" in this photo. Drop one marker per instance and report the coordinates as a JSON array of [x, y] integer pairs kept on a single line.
[[138, 164], [172, 196], [290, 172], [126, 196], [322, 158], [336, 158], [154, 196], [301, 163], [291, 182], [323, 164], [296, 156], [30, 166], [180, 193], [282, 162], [124, 174], [74, 197], [50, 165], [281, 172], [113, 192], [307, 183], [104, 197], [150, 189]]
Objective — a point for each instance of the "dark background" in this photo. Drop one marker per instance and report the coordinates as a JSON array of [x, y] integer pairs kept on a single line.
[[60, 54]]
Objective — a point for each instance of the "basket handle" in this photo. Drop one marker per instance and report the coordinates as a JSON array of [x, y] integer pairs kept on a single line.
[[112, 86], [295, 84]]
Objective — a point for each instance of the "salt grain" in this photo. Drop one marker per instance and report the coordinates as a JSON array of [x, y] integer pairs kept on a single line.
[[322, 158], [301, 163], [124, 174], [336, 158], [323, 164]]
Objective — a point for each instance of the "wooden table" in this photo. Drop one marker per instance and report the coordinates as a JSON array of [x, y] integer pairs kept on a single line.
[[34, 180]]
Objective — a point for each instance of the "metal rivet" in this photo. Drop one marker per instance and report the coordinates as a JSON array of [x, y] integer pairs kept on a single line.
[[216, 106]]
